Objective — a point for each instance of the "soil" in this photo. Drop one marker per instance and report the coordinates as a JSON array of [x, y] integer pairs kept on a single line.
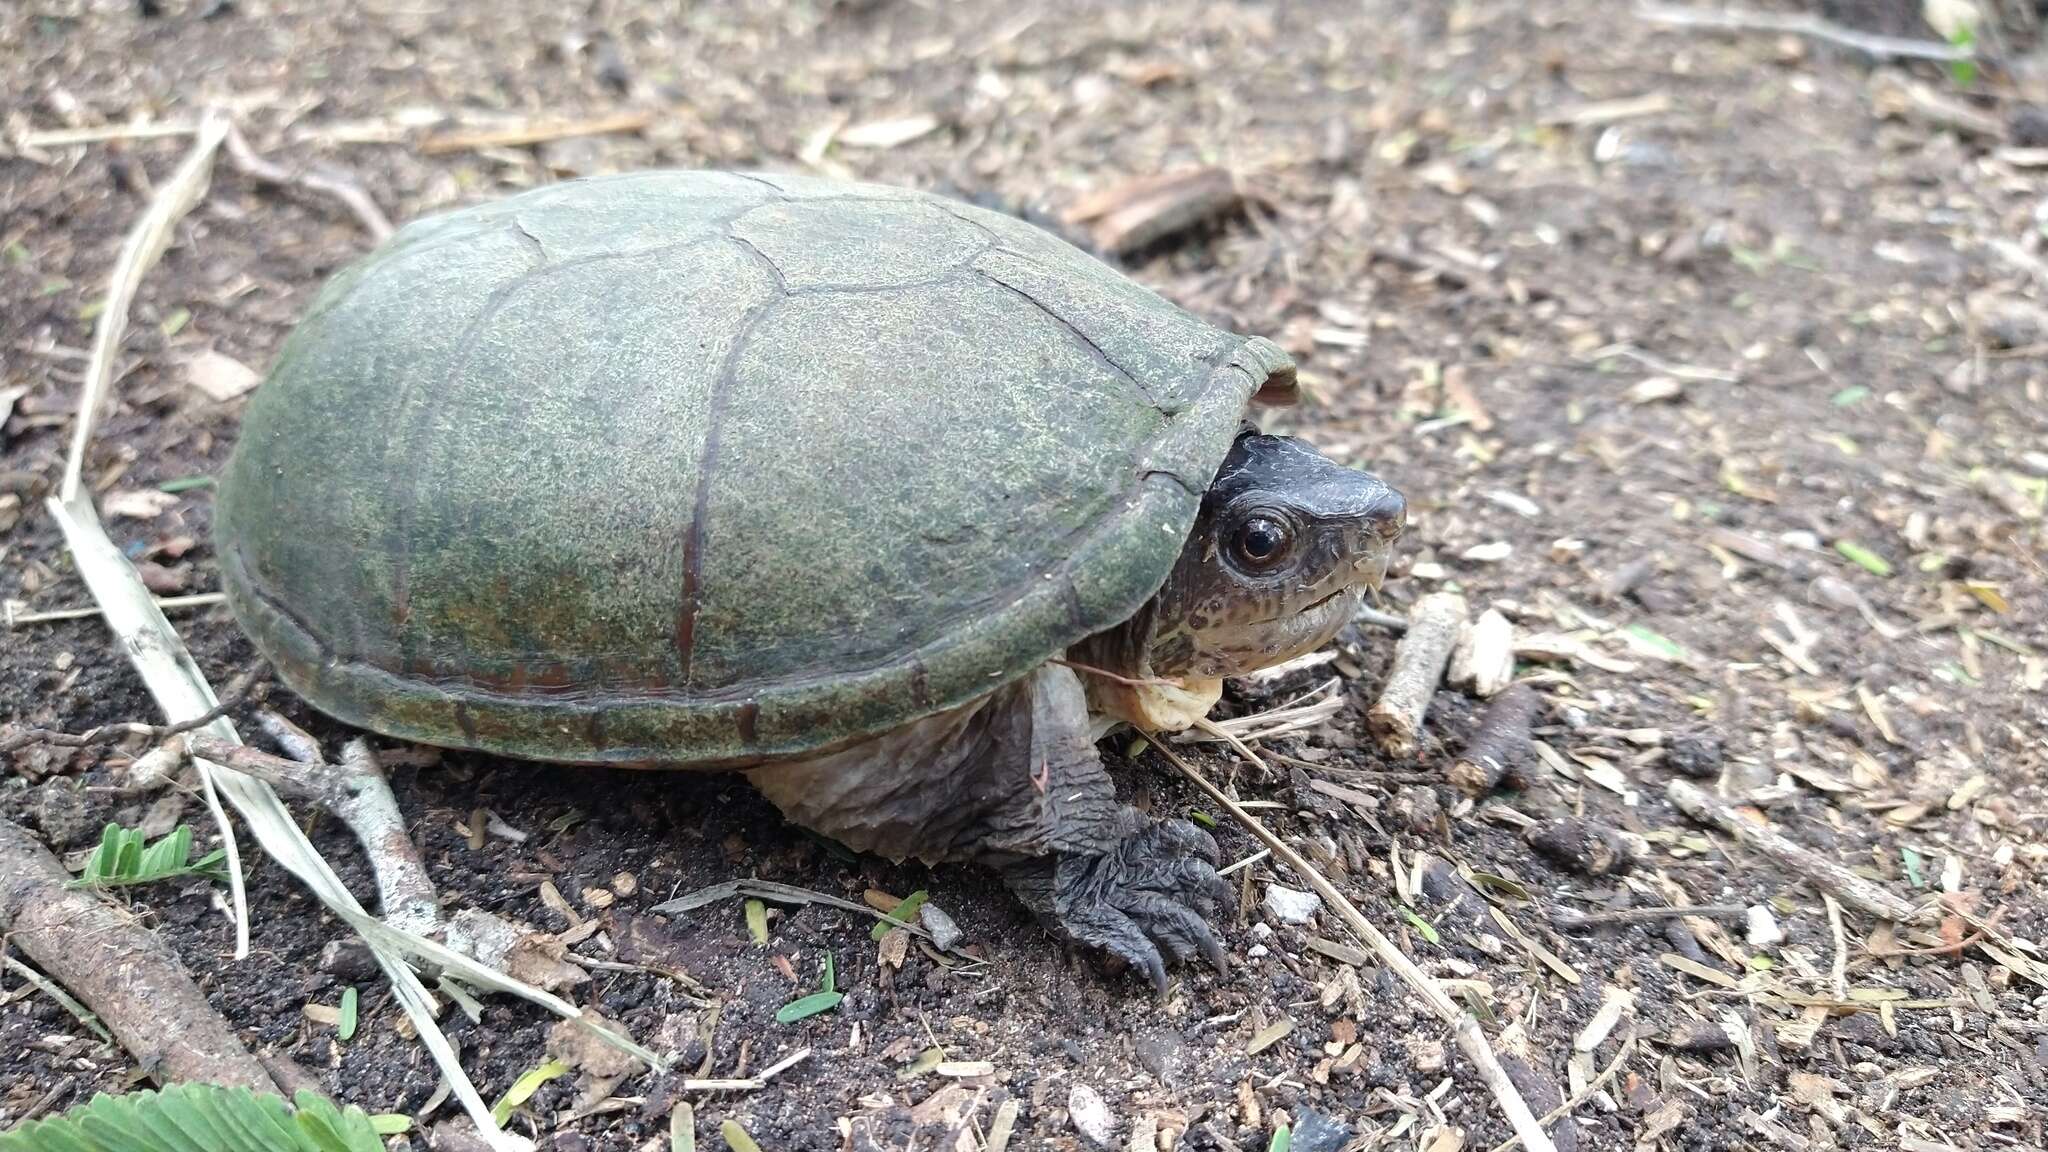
[[1684, 380]]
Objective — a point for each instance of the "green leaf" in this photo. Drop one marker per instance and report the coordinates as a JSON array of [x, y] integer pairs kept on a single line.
[[1853, 394], [905, 914], [523, 1089], [1656, 643], [757, 922], [682, 1129], [808, 1007], [1282, 1141], [1864, 558], [1501, 884], [1913, 874], [736, 1137], [831, 975], [1421, 925], [186, 484], [200, 1118], [122, 858], [1201, 817], [390, 1123], [346, 1029], [175, 322], [926, 1060]]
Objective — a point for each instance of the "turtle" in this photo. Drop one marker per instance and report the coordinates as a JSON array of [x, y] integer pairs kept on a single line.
[[891, 502]]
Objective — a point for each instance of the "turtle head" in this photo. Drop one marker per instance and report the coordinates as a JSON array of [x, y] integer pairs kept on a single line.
[[1285, 544]]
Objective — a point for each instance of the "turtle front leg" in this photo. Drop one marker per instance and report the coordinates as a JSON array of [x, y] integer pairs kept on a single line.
[[1149, 894], [1013, 782]]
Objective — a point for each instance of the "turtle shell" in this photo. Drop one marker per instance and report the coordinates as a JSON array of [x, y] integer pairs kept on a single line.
[[713, 468]]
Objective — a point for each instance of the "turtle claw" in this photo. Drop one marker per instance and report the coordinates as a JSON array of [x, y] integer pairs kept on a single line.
[[1142, 901]]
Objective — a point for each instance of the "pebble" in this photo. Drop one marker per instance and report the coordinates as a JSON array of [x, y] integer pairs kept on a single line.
[[1091, 1117], [1763, 927], [349, 959], [1315, 1132], [1290, 906], [1417, 808], [62, 813], [1261, 930], [945, 933], [1162, 1053]]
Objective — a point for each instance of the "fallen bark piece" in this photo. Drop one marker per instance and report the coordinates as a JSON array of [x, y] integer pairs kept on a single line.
[[119, 969], [1500, 743], [1483, 663], [1830, 877], [1419, 660], [1139, 213]]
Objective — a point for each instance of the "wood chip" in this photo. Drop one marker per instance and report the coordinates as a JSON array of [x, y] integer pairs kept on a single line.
[[220, 377], [1270, 1035], [886, 134], [1139, 213]]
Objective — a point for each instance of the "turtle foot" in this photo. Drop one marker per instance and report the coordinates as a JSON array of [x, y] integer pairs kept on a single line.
[[1147, 898]]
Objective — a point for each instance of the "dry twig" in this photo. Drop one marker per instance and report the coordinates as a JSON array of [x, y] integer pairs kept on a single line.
[[1825, 874], [1419, 660], [1570, 920], [352, 196], [534, 132], [1501, 741], [166, 604], [1800, 24]]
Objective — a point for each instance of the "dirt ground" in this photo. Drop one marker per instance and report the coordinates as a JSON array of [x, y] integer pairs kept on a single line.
[[1713, 362]]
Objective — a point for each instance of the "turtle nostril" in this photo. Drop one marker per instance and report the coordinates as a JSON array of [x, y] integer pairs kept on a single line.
[[1389, 515]]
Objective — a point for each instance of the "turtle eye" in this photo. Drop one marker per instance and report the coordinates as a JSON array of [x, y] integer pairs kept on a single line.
[[1261, 541]]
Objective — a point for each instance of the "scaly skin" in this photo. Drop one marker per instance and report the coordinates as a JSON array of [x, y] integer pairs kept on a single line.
[[1013, 780]]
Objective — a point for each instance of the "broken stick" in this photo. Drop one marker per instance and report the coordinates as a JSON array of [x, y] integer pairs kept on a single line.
[[1483, 662], [119, 969], [1419, 660], [1499, 744], [1824, 873], [351, 195]]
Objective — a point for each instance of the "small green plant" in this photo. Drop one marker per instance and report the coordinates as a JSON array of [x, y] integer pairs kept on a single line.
[[186, 1116], [1964, 71], [122, 858], [823, 1000], [904, 915]]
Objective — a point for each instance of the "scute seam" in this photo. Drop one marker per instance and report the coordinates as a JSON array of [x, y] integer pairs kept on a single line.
[[1095, 349], [707, 459]]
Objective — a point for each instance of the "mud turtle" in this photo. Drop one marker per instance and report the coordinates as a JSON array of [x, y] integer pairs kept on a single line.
[[890, 501]]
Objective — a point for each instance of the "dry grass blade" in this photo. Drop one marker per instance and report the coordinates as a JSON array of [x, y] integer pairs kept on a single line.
[[94, 553], [1305, 711], [139, 253], [1471, 1040]]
